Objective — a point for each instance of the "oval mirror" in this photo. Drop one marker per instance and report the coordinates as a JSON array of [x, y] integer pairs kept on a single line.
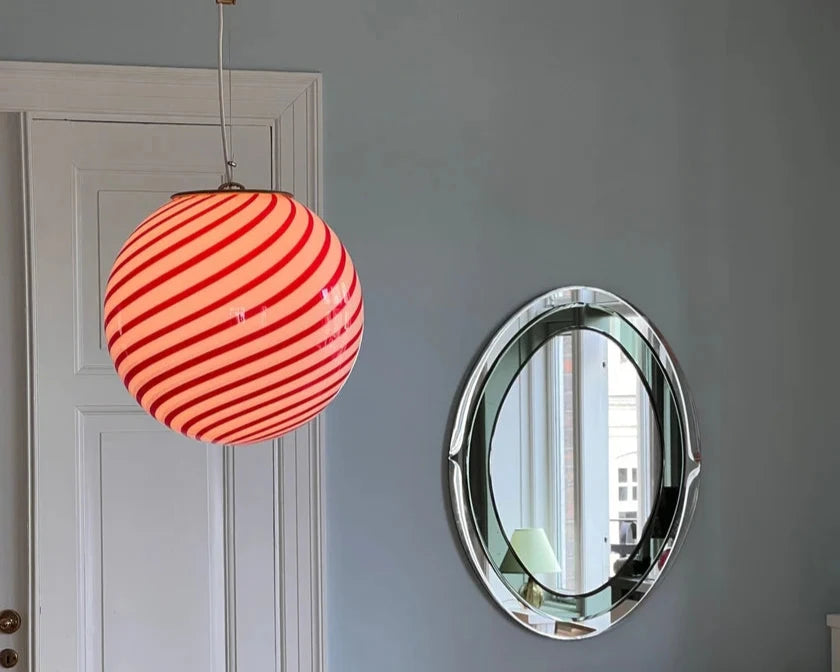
[[573, 462]]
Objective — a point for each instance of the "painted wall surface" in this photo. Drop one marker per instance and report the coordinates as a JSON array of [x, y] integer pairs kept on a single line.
[[683, 153]]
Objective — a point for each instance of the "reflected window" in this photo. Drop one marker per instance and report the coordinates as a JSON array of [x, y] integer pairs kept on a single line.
[[575, 474]]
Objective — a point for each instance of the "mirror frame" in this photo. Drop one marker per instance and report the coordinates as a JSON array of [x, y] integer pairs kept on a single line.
[[462, 431]]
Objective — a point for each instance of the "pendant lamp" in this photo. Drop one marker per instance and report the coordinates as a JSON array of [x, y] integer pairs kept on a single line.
[[233, 316]]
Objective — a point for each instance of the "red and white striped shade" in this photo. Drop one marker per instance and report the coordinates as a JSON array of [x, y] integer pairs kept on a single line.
[[233, 317]]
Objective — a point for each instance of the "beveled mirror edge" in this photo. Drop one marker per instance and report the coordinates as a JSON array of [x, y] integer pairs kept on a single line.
[[472, 544]]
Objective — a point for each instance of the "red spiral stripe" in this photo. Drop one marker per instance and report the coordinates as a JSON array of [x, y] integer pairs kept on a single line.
[[233, 317]]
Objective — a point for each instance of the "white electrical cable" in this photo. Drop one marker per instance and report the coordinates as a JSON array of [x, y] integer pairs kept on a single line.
[[229, 164]]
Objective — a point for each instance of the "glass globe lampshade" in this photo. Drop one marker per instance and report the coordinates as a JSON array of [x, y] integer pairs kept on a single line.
[[233, 316]]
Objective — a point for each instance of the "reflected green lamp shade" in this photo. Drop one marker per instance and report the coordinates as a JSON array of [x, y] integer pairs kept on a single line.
[[534, 550]]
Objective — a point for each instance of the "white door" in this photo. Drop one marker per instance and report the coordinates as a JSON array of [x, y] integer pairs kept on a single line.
[[152, 552]]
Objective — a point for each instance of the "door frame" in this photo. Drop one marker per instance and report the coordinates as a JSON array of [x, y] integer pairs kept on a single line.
[[291, 104]]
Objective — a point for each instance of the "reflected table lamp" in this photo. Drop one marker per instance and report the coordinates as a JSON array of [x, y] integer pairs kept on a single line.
[[532, 548]]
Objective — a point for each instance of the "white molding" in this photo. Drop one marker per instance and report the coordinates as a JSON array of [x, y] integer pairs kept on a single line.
[[229, 545], [139, 91], [299, 490], [31, 391], [290, 103]]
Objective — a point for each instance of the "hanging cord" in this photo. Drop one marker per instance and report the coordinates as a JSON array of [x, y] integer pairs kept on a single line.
[[230, 164], [231, 140]]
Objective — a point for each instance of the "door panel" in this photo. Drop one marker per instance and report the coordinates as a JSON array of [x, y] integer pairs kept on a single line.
[[135, 526], [254, 555], [110, 205], [153, 567]]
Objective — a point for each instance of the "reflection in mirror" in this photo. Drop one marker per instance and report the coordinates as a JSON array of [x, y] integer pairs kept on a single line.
[[574, 465], [573, 462]]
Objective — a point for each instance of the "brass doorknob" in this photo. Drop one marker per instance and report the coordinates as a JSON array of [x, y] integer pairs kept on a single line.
[[9, 621]]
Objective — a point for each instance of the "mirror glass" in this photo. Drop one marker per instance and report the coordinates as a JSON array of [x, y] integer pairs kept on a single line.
[[573, 462]]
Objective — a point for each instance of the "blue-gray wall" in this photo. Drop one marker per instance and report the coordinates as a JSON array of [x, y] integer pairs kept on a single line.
[[685, 154]]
